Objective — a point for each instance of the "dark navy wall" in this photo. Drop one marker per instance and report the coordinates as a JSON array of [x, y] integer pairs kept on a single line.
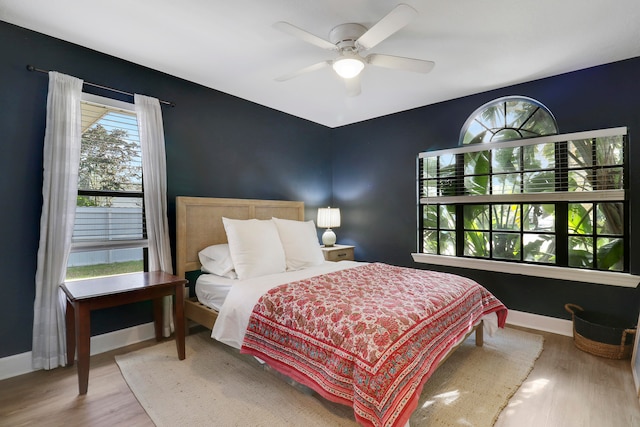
[[217, 146], [374, 178]]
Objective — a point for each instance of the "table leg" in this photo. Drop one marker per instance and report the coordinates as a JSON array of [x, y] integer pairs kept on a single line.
[[83, 341], [71, 333], [157, 316], [180, 323]]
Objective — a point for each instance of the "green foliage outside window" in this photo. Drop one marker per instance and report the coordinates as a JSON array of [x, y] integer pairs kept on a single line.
[[508, 202]]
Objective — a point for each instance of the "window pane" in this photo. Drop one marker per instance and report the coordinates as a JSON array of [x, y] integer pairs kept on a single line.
[[610, 218], [476, 163], [476, 217], [110, 156], [538, 217], [539, 248], [447, 187], [581, 252], [541, 123], [430, 188], [580, 218], [506, 134], [506, 246], [430, 242], [108, 218], [429, 167], [476, 244], [506, 160], [493, 117], [609, 150], [447, 164], [476, 170], [580, 153], [539, 182], [506, 184], [506, 217], [476, 133], [518, 111], [580, 180], [539, 156], [608, 179], [430, 216], [476, 185], [448, 217], [610, 254], [83, 265], [447, 243]]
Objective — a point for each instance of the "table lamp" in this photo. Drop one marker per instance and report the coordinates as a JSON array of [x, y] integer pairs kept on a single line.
[[328, 218]]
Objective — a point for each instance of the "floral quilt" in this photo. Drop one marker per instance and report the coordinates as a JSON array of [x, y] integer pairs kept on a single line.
[[368, 337]]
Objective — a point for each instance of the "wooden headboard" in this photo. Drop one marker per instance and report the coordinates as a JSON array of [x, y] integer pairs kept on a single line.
[[199, 223]]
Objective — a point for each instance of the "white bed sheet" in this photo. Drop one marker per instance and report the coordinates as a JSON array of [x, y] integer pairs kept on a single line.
[[212, 290], [233, 317]]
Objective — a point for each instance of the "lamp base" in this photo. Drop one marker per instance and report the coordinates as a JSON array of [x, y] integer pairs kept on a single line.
[[329, 237]]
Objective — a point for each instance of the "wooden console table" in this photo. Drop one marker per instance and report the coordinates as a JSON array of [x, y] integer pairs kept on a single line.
[[92, 294]]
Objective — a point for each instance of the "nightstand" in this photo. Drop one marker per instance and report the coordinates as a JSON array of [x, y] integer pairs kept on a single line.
[[338, 252]]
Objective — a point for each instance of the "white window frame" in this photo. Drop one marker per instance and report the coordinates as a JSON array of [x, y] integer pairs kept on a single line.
[[114, 244], [554, 272]]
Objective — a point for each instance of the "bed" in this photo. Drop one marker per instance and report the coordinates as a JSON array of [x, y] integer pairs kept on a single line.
[[335, 327]]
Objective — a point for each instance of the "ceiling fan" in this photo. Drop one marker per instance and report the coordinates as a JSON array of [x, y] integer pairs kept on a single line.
[[350, 40]]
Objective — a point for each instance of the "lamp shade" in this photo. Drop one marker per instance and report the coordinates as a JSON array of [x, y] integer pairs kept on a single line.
[[348, 67], [328, 217]]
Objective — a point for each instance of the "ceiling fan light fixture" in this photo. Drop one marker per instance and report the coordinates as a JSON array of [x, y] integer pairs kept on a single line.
[[348, 67]]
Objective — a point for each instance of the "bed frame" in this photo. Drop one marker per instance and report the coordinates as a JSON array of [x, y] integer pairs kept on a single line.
[[199, 224]]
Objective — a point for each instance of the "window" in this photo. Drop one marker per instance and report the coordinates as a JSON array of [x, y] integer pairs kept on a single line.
[[109, 235], [513, 117], [550, 201]]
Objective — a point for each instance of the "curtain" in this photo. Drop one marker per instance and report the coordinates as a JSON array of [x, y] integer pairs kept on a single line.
[[59, 195], [154, 177]]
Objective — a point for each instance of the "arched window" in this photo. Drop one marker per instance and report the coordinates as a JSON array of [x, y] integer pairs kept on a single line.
[[518, 197], [511, 117]]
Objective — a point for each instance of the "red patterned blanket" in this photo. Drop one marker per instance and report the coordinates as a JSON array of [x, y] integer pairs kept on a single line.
[[369, 336]]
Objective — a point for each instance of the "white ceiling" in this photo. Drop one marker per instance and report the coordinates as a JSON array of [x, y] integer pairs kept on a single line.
[[232, 47]]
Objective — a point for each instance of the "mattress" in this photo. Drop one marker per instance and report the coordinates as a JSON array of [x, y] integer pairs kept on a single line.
[[212, 290]]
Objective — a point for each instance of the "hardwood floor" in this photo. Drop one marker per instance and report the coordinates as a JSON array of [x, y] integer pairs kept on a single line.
[[50, 398], [566, 388], [570, 388]]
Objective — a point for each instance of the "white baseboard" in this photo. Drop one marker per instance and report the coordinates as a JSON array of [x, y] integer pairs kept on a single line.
[[540, 323], [19, 364]]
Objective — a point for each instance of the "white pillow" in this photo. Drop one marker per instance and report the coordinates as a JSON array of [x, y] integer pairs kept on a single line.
[[300, 242], [216, 260], [255, 247]]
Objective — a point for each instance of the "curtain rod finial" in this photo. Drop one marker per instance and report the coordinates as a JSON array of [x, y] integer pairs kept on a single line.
[[30, 67]]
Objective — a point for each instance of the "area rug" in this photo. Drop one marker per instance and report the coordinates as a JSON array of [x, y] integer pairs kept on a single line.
[[216, 386]]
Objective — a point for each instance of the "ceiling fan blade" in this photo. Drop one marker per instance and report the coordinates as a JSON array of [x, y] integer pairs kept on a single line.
[[400, 63], [353, 86], [399, 16], [304, 35], [304, 70]]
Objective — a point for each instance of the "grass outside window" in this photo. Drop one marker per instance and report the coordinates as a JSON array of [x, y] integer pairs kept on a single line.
[[99, 270]]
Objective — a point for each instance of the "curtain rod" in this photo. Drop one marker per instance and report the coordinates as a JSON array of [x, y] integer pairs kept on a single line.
[[32, 68]]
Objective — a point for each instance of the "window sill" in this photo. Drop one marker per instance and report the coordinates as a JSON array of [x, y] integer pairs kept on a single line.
[[589, 276]]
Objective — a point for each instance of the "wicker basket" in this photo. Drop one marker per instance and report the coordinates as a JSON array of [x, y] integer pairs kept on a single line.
[[601, 335]]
